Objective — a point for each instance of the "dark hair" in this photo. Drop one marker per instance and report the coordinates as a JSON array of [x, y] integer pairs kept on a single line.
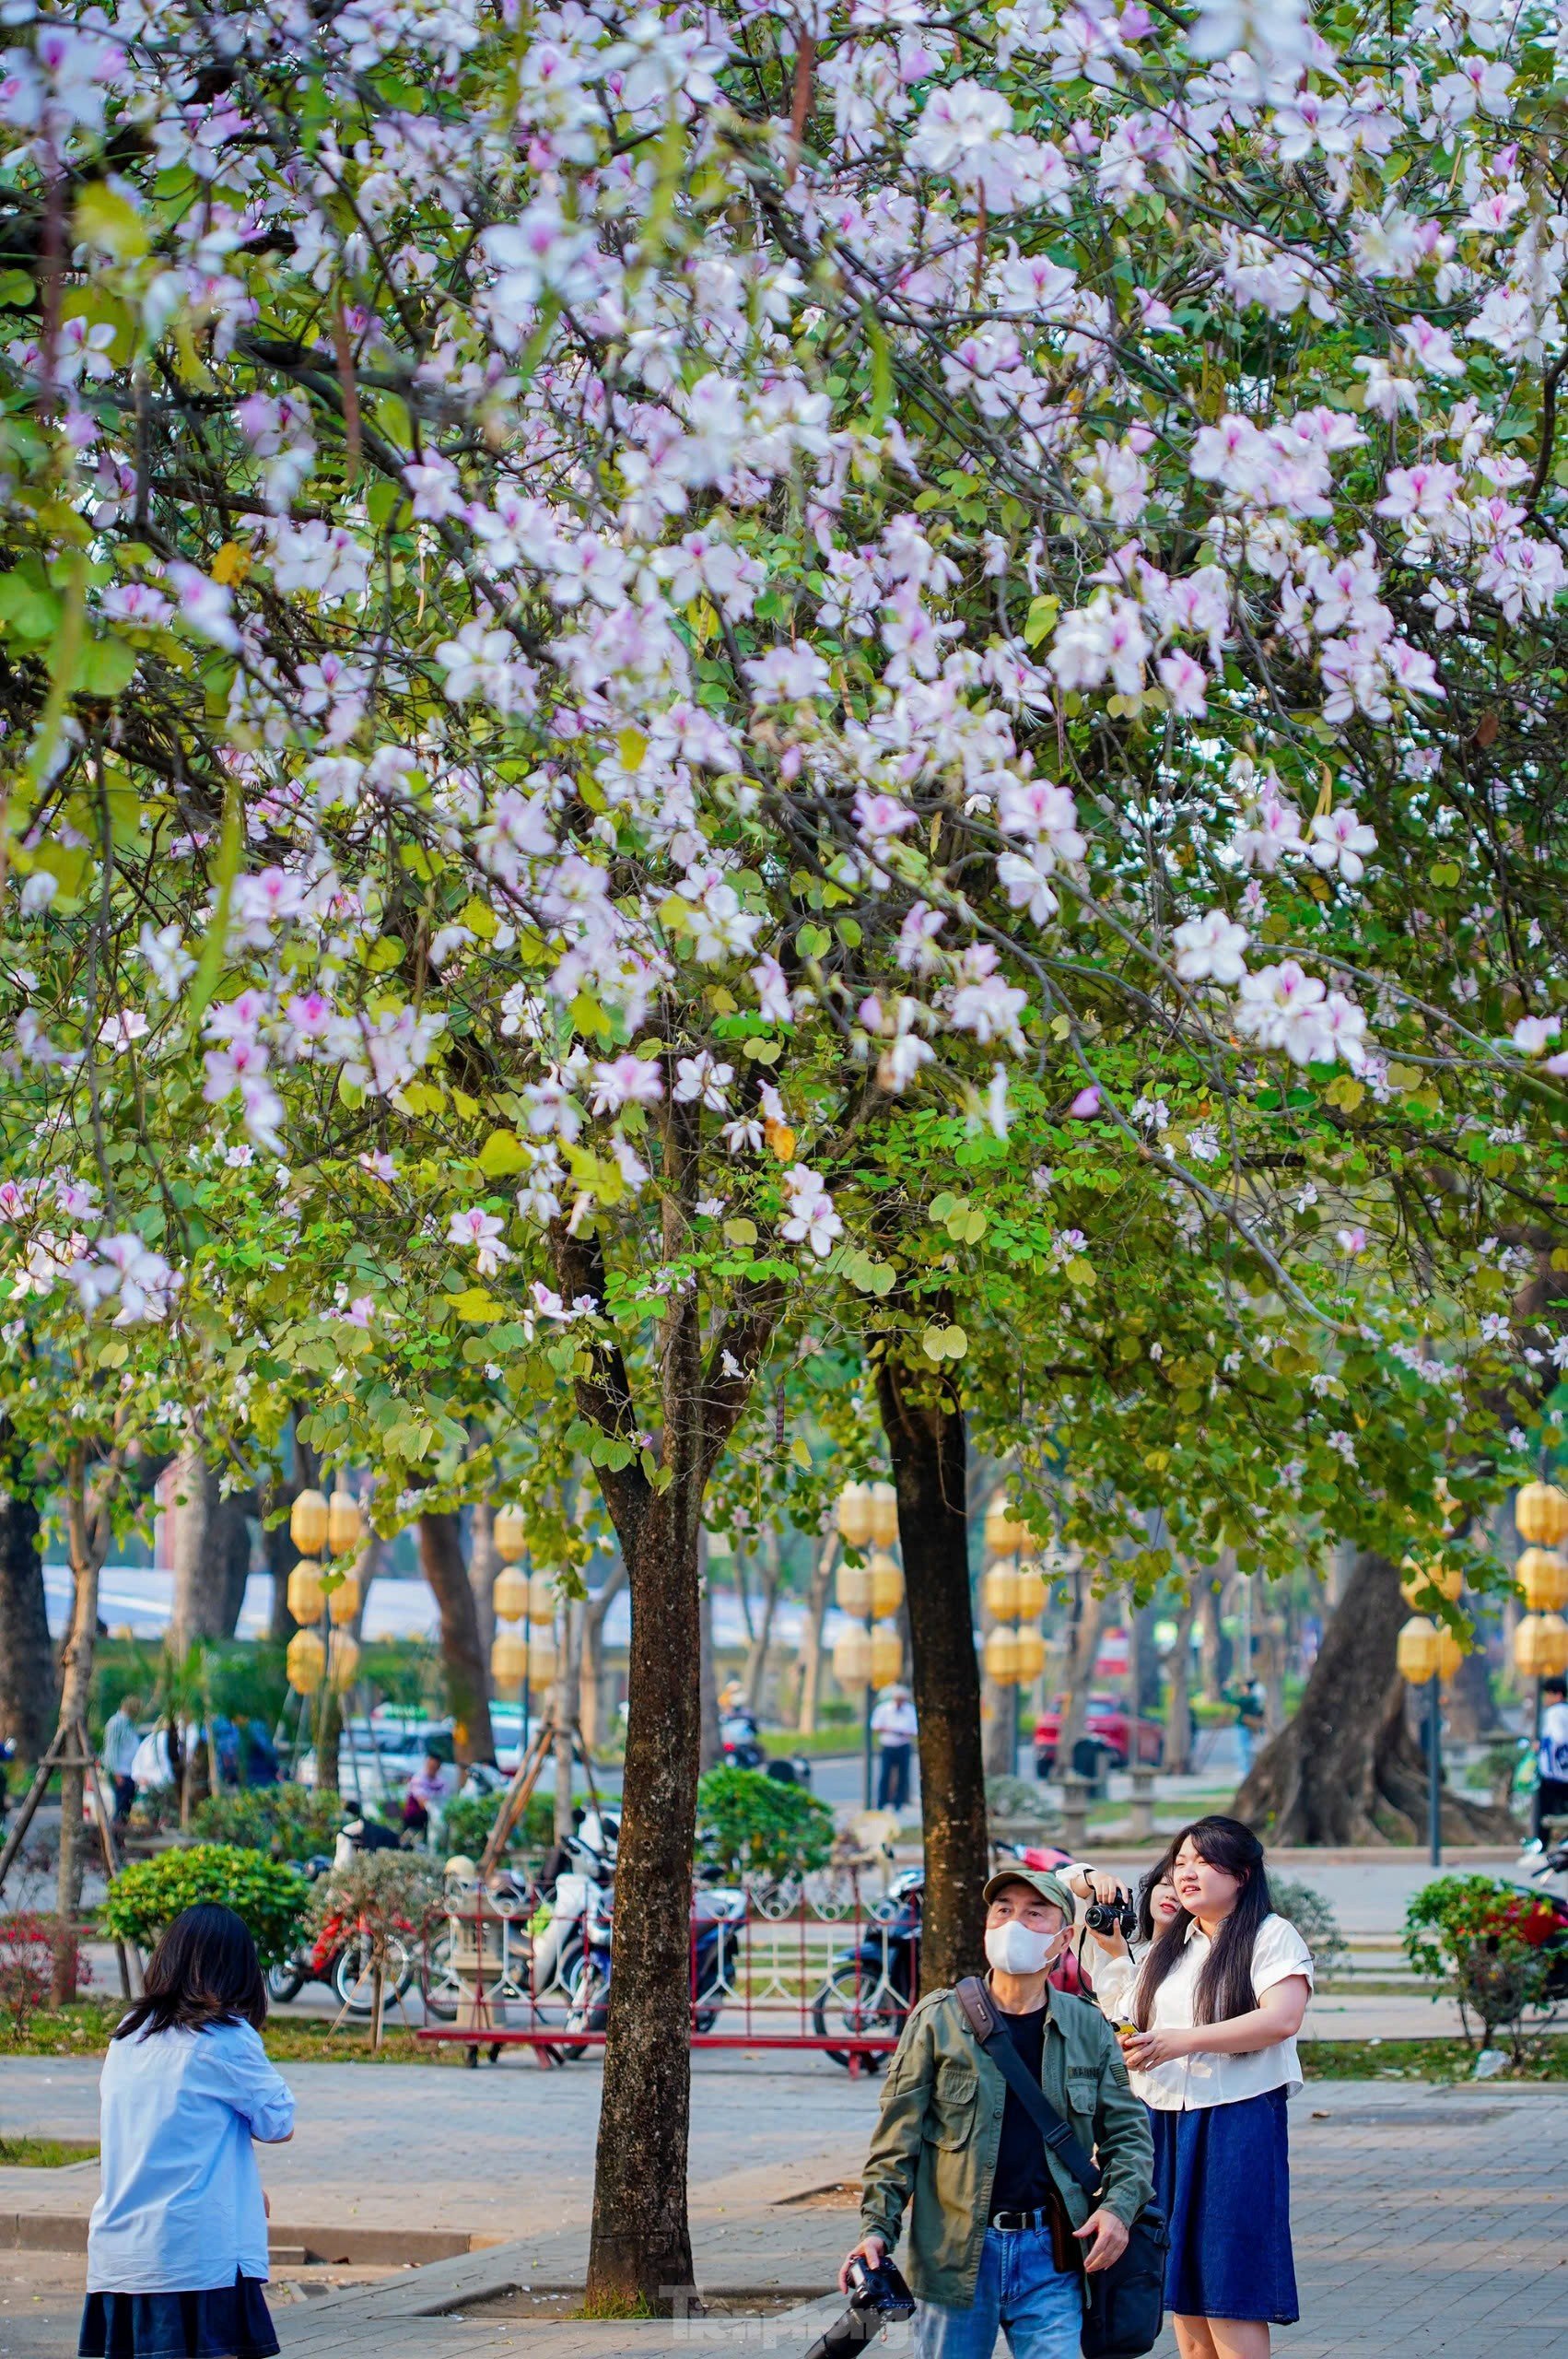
[[1224, 1987], [203, 1971], [1555, 1685], [1158, 1874]]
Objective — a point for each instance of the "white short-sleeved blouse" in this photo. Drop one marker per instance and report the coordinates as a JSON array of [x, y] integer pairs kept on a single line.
[[1189, 2082]]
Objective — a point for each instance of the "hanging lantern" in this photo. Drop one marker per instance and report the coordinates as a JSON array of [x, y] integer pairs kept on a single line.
[[1419, 1581], [1540, 1645], [508, 1658], [1001, 1656], [542, 1659], [510, 1596], [1000, 1590], [1004, 1534], [887, 1585], [343, 1599], [888, 1656], [305, 1662], [1451, 1652], [510, 1533], [1540, 1512], [343, 1661], [1417, 1650], [852, 1659], [852, 1588], [1031, 1657], [308, 1523], [1543, 1576], [854, 1515], [305, 1591], [885, 1516], [344, 1523], [1031, 1601], [542, 1600]]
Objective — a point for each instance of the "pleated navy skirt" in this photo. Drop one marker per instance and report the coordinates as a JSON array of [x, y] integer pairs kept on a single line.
[[225, 2322], [1222, 2178]]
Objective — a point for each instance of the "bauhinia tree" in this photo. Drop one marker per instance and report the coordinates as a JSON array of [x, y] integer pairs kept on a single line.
[[604, 607]]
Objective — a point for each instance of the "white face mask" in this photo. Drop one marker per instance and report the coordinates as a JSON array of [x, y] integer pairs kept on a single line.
[[1016, 1948]]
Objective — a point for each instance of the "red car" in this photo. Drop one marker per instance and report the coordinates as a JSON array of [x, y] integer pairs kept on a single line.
[[1110, 1725]]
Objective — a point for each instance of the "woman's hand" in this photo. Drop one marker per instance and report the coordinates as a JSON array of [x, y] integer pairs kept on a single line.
[[1107, 1889], [1147, 2048]]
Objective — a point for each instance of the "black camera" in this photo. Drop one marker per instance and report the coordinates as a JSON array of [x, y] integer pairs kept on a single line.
[[878, 2297], [1118, 1916]]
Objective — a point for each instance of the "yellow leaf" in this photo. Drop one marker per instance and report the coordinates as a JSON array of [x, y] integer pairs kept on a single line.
[[782, 1139], [231, 564], [633, 745]]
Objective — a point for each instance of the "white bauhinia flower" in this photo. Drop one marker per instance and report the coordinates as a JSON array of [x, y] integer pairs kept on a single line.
[[1210, 949]]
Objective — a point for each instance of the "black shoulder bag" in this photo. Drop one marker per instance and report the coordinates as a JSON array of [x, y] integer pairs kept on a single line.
[[1126, 2305]]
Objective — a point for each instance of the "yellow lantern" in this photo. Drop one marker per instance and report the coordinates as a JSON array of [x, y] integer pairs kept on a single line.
[[854, 1515], [305, 1662], [887, 1585], [1540, 1645], [1001, 1590], [1451, 1652], [343, 1661], [343, 1601], [852, 1587], [852, 1657], [1417, 1650], [542, 1600], [542, 1662], [508, 1658], [1543, 1576], [888, 1656], [344, 1523], [1418, 1581], [1031, 1601], [1031, 1655], [1001, 1656], [1541, 1511], [510, 1533], [308, 1523], [885, 1515], [510, 1596], [305, 1592], [1004, 1534]]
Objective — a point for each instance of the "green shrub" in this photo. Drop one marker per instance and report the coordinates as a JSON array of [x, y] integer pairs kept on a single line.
[[468, 1818], [1488, 1944], [269, 1896], [1018, 1798], [289, 1820], [750, 1821], [1313, 1918]]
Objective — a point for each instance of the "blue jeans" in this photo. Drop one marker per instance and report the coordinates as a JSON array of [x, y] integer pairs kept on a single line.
[[1038, 2306]]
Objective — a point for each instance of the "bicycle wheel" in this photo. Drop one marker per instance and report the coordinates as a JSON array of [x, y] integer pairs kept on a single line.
[[857, 2004], [354, 1980], [438, 1984]]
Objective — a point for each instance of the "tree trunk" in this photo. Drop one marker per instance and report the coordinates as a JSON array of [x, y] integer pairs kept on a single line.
[[1178, 1708], [1345, 1769], [710, 1746], [483, 1564], [1094, 1613], [595, 1612], [568, 1685], [468, 1683], [1146, 1659], [27, 1658], [811, 1632], [756, 1658], [1472, 1708], [923, 1420], [88, 1532], [212, 1556], [1214, 1657]]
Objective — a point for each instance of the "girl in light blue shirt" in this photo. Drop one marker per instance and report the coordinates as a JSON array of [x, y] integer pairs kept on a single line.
[[177, 2244]]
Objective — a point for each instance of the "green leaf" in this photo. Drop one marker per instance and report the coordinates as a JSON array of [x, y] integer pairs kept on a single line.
[[502, 1154], [104, 218], [104, 667]]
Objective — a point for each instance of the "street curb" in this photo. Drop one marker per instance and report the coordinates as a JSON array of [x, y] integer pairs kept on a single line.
[[286, 2246]]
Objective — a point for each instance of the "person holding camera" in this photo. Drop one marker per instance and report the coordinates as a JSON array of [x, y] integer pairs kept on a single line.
[[1001, 2234], [1123, 1923]]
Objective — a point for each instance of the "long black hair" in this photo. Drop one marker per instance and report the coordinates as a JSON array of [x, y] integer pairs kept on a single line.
[[1161, 1872], [203, 1971], [1225, 1986]]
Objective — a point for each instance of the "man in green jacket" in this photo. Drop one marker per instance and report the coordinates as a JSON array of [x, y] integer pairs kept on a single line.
[[1000, 2234]]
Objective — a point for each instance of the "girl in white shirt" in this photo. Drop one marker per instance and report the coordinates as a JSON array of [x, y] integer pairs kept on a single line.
[[177, 2244], [1212, 2011]]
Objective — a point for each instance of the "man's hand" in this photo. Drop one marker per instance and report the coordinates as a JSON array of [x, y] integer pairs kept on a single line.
[[873, 2252], [1110, 2239]]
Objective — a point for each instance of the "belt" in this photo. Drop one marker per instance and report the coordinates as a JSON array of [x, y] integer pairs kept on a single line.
[[1015, 2221]]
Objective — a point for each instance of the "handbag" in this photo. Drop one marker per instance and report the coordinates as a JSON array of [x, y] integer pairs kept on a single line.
[[1125, 2310]]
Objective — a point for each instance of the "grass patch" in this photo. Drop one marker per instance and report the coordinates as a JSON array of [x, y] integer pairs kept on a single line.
[[47, 2154], [87, 2028], [1421, 2060], [616, 2305]]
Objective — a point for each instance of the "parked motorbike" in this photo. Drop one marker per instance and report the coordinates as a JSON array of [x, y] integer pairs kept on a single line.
[[742, 1745], [871, 1988], [571, 1896], [717, 1913], [341, 1953], [1546, 1925]]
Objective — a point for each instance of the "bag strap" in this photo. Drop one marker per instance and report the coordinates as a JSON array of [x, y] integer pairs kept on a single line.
[[983, 2022]]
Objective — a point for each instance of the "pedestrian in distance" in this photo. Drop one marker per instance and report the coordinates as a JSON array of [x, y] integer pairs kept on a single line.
[[1551, 1768], [895, 1727], [1001, 2234], [177, 2243], [122, 1738], [1208, 2021]]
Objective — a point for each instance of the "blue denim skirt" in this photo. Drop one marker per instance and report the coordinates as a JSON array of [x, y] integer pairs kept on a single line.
[[1222, 2178], [227, 2322]]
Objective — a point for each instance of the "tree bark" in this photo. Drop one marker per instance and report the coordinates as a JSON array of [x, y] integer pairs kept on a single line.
[[811, 1633], [710, 1748], [756, 1658], [1345, 1769], [923, 1420], [483, 1564], [1178, 1706], [595, 1612], [27, 1658], [1214, 1656], [568, 1685], [468, 1682], [1094, 1613], [212, 1555]]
